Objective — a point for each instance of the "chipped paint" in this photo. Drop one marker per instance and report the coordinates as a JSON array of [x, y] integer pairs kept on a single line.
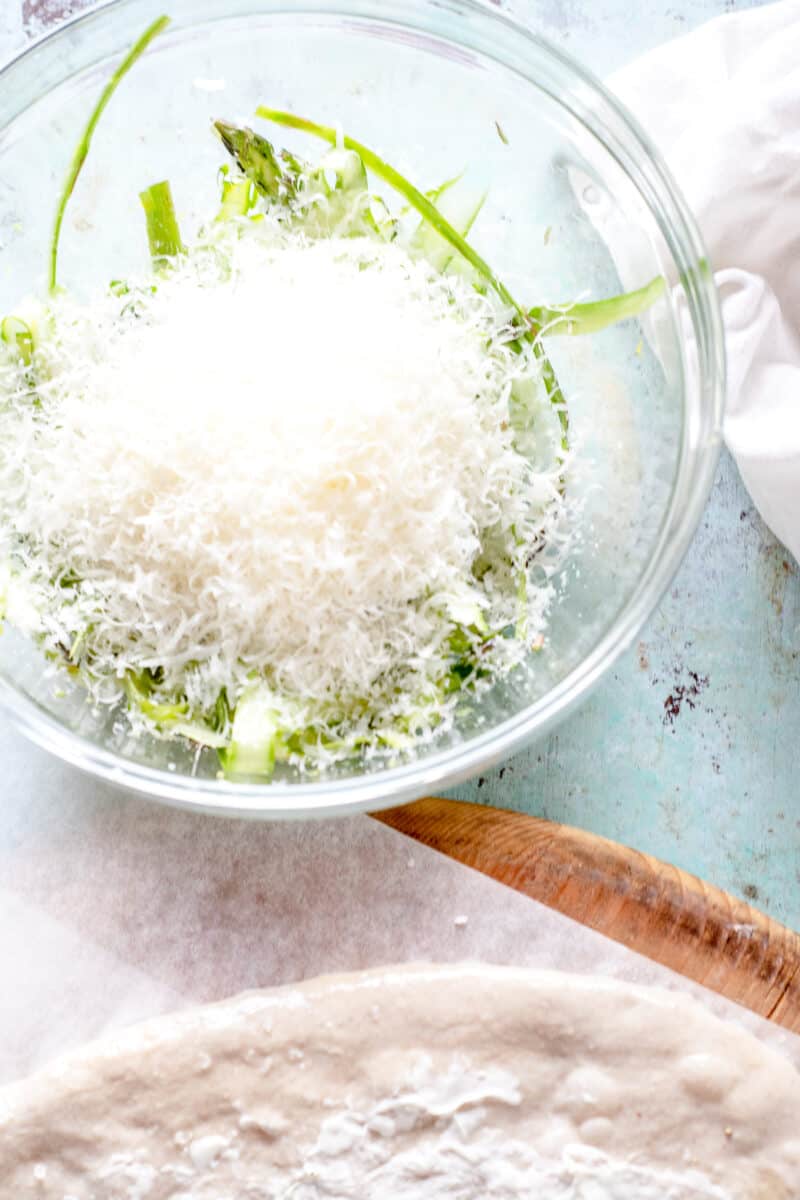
[[684, 694]]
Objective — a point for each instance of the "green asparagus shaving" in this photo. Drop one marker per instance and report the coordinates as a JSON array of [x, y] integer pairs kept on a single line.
[[163, 233], [222, 712], [554, 393], [380, 219], [574, 319], [173, 716], [348, 170], [461, 211], [135, 53], [137, 689], [342, 178], [257, 735], [237, 198], [475, 212], [435, 194], [18, 334]]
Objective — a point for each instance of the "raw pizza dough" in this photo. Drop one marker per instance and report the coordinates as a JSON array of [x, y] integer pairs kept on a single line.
[[414, 1083]]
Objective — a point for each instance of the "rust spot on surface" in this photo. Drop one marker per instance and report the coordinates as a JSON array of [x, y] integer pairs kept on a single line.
[[780, 571], [684, 694], [41, 13]]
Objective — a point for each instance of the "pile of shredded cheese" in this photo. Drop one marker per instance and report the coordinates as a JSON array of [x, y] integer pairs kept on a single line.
[[286, 458]]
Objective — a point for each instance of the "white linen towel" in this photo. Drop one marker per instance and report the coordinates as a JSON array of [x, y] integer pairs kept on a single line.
[[723, 106]]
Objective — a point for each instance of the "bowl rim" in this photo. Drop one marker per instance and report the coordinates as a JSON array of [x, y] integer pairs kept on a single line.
[[439, 769]]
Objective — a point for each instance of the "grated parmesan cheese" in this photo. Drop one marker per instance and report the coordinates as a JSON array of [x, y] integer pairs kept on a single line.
[[284, 460]]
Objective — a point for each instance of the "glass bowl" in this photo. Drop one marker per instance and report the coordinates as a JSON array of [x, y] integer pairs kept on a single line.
[[580, 206]]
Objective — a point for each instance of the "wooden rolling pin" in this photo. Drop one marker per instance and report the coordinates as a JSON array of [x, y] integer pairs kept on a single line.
[[649, 906]]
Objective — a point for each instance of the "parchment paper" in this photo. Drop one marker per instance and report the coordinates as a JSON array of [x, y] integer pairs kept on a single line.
[[113, 909]]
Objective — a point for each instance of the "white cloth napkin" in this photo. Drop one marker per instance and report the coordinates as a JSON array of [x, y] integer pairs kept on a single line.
[[723, 106]]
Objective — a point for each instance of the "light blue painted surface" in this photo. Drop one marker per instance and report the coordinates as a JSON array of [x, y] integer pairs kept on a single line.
[[689, 751]]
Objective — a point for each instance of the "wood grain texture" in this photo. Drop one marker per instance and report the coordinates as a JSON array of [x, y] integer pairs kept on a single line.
[[649, 906]]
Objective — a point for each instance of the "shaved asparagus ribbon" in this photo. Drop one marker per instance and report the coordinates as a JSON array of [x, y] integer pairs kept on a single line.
[[574, 319], [136, 51]]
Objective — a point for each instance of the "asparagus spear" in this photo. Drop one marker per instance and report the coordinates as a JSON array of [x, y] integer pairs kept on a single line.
[[163, 233], [79, 157], [256, 157]]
